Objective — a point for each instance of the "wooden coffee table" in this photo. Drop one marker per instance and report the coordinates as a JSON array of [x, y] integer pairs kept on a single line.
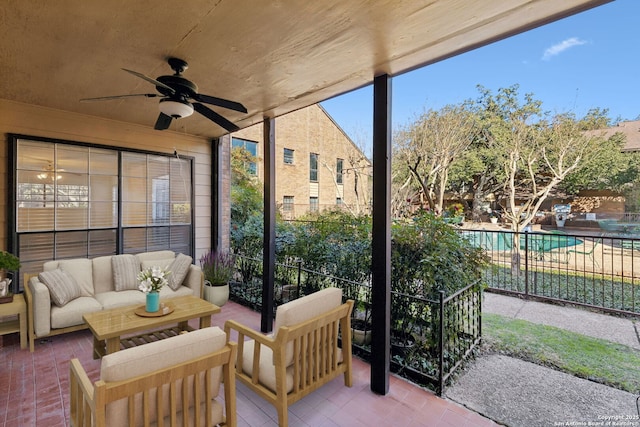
[[112, 328]]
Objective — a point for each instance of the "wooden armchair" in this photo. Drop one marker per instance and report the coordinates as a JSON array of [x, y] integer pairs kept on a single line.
[[171, 382], [303, 353]]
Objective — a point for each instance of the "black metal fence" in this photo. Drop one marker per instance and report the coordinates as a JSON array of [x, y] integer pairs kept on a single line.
[[600, 271], [430, 338]]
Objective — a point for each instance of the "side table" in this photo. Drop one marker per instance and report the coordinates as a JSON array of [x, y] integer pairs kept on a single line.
[[17, 307]]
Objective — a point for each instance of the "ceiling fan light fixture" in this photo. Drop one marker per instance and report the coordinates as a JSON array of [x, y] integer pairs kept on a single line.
[[176, 109]]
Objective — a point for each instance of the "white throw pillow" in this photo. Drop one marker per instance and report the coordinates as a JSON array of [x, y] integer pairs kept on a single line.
[[62, 286]]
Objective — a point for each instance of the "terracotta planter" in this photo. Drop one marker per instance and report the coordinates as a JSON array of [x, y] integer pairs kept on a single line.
[[218, 295]]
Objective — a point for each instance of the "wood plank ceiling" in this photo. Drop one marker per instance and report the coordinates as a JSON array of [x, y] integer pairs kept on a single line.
[[273, 56]]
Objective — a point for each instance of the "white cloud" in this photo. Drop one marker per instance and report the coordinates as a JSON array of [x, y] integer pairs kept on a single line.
[[558, 48]]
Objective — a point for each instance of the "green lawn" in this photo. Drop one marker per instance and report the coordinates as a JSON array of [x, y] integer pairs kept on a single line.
[[598, 360]]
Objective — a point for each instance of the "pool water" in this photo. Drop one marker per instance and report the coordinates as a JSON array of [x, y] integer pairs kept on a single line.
[[497, 241]]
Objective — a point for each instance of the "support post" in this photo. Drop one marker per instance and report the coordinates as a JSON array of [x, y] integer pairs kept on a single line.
[[216, 192], [269, 243], [381, 240]]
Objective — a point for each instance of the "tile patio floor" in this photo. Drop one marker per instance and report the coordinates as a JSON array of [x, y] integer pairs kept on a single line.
[[34, 390]]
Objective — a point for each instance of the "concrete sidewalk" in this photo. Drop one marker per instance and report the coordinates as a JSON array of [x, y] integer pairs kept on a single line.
[[582, 321], [516, 393]]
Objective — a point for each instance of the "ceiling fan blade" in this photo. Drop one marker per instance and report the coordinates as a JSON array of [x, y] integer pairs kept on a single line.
[[214, 117], [220, 102], [163, 122], [106, 98], [150, 80]]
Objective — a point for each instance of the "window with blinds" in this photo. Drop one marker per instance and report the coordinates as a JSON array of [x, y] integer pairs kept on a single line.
[[76, 200]]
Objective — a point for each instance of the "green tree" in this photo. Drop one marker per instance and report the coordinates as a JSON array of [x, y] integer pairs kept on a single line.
[[608, 171], [246, 205]]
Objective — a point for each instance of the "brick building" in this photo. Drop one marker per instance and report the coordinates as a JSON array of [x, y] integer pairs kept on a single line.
[[317, 165]]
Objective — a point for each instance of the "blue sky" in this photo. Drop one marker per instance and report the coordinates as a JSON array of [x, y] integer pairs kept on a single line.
[[590, 60]]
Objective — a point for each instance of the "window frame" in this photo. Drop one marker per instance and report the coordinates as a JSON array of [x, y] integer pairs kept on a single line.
[[339, 170], [314, 204], [285, 157], [313, 171], [288, 203], [60, 235], [251, 167]]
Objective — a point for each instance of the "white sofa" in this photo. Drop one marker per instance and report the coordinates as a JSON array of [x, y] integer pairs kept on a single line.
[[103, 284]]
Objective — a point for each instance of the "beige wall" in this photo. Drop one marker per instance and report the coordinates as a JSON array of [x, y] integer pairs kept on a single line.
[[32, 120], [311, 130]]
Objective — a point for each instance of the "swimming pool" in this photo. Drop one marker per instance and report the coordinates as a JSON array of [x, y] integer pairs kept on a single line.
[[501, 241]]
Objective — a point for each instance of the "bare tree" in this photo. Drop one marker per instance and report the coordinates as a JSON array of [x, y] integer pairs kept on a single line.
[[359, 167], [429, 146]]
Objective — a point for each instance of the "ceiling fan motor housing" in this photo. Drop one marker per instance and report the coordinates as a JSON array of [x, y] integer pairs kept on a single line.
[[180, 85], [176, 104]]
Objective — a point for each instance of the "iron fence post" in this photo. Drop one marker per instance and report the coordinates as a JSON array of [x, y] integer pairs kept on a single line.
[[526, 264], [441, 346], [299, 261]]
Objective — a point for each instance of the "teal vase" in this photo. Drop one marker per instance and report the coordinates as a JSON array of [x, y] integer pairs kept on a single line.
[[153, 302]]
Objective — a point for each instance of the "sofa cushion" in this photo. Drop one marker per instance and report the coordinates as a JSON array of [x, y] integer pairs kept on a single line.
[[148, 263], [125, 272], [155, 255], [157, 355], [102, 274], [179, 269], [115, 299], [166, 292], [62, 286], [80, 269], [304, 309], [71, 313]]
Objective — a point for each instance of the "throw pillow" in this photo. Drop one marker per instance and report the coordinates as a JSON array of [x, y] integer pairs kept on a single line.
[[125, 272], [62, 286], [179, 269]]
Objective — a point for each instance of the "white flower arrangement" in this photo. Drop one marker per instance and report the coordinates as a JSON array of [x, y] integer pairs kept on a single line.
[[152, 279]]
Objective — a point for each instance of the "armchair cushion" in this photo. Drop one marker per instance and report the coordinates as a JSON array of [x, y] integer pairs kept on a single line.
[[266, 370], [125, 272], [62, 286], [157, 355], [303, 309]]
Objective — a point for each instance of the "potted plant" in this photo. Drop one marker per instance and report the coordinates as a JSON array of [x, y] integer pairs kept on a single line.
[[8, 262], [218, 269], [361, 324]]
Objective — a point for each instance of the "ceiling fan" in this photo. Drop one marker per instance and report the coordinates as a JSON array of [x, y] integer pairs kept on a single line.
[[179, 97]]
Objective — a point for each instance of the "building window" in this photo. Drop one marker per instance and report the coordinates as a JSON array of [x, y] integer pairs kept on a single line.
[[287, 204], [79, 201], [288, 156], [313, 167], [339, 163], [338, 200], [313, 204], [252, 148]]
